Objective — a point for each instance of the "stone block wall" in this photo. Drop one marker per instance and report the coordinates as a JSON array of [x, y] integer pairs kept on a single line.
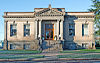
[[26, 45]]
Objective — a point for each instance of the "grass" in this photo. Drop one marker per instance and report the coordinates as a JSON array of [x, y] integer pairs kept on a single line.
[[82, 51], [80, 56], [19, 52], [21, 56], [97, 47], [91, 50]]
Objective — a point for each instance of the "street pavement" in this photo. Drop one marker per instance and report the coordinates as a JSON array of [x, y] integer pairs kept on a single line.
[[54, 61]]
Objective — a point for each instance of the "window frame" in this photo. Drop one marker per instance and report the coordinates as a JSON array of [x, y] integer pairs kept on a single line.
[[26, 46], [72, 29], [26, 29], [85, 34], [11, 33], [49, 29]]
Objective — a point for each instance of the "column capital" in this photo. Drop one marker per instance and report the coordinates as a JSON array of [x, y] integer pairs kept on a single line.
[[58, 19], [40, 19], [5, 21], [62, 19], [36, 19]]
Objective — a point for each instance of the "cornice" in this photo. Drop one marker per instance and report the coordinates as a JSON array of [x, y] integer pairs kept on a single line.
[[80, 16], [19, 16], [79, 12]]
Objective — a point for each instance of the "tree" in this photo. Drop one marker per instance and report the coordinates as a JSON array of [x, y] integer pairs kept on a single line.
[[96, 9]]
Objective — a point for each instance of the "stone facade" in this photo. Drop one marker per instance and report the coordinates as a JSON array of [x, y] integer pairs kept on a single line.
[[67, 30]]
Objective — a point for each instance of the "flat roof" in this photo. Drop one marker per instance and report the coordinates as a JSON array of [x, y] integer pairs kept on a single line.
[[79, 12], [33, 12]]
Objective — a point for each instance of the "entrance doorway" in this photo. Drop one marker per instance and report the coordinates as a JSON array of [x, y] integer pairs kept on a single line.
[[49, 31]]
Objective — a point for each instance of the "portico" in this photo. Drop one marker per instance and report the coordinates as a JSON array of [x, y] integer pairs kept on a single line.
[[57, 28], [50, 15]]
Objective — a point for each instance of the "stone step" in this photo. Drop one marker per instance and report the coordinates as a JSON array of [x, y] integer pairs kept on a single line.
[[51, 46]]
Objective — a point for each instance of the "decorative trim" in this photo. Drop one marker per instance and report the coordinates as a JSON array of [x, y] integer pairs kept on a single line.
[[47, 15], [48, 9], [79, 12], [19, 16], [80, 16]]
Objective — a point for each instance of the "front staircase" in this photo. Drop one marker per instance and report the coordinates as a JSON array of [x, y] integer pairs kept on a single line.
[[51, 46]]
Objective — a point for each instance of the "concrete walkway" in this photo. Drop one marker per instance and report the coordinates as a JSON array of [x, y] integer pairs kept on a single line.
[[49, 57], [52, 58]]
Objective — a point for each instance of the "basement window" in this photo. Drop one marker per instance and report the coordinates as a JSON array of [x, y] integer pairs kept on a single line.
[[26, 46]]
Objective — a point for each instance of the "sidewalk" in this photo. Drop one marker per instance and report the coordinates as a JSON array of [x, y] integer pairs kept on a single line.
[[52, 57]]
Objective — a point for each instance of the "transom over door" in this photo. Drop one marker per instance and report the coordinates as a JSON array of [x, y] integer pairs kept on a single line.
[[49, 31]]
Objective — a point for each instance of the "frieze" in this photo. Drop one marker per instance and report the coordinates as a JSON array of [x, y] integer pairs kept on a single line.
[[79, 16]]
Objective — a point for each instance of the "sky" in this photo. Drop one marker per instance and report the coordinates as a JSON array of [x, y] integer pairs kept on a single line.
[[29, 5]]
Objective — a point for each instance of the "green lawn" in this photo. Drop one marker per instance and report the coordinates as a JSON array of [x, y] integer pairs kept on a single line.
[[80, 56], [97, 47], [20, 56], [19, 52], [28, 54], [82, 51]]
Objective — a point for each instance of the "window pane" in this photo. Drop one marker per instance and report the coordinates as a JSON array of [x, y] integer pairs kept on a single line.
[[12, 46], [49, 26], [26, 46], [49, 31], [51, 34], [84, 29], [14, 26], [47, 34], [26, 30], [13, 30], [27, 26], [72, 29]]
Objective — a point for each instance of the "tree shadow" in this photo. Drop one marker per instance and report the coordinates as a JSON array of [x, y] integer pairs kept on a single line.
[[45, 45], [69, 43]]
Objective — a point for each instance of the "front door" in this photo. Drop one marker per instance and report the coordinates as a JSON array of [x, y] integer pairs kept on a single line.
[[49, 31]]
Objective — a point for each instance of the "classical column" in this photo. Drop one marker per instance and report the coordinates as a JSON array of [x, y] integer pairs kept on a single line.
[[5, 36], [58, 29], [36, 28], [40, 28], [61, 29]]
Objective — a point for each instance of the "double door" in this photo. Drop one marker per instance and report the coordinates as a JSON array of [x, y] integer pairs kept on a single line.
[[49, 31]]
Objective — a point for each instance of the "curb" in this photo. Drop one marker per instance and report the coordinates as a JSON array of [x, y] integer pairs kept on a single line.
[[79, 58], [44, 59]]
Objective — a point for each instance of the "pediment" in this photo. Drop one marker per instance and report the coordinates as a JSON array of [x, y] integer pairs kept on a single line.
[[49, 12]]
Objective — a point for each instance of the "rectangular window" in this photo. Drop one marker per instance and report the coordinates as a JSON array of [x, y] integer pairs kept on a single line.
[[84, 29], [26, 30], [12, 46], [71, 29], [26, 46], [84, 45], [13, 30]]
